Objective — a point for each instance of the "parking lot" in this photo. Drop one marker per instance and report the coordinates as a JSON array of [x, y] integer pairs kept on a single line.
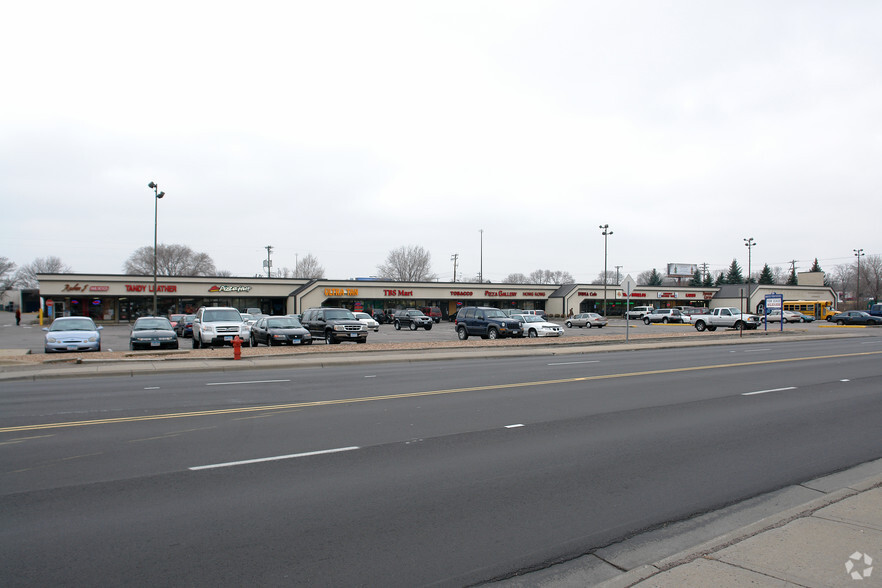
[[116, 337]]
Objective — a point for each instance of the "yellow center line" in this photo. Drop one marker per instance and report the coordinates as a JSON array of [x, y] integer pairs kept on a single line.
[[300, 405]]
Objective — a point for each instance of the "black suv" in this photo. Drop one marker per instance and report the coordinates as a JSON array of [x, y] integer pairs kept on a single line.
[[334, 325], [412, 318], [487, 322]]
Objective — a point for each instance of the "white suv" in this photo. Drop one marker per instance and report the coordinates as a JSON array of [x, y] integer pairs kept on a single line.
[[219, 325]]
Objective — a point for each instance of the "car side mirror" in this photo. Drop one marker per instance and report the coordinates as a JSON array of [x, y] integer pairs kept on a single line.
[[45, 328]]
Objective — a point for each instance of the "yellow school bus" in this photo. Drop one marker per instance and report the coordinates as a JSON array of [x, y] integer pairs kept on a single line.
[[820, 309]]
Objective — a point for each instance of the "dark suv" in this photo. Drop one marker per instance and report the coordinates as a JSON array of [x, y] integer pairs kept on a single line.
[[413, 319], [486, 322], [334, 325]]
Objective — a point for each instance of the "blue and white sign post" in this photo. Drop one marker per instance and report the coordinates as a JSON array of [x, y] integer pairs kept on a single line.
[[773, 302]]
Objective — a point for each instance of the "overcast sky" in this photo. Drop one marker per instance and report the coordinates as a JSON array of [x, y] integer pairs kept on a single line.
[[348, 129]]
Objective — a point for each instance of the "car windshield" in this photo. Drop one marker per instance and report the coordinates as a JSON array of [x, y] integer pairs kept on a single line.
[[283, 323], [415, 313], [531, 318], [74, 324], [189, 318], [362, 315], [152, 324], [339, 313], [493, 313], [210, 316]]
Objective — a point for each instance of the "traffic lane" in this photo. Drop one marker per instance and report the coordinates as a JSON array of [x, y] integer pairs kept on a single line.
[[453, 510], [245, 427]]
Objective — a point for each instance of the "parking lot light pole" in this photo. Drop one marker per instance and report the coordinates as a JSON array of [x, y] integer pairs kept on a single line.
[[157, 195], [749, 243], [857, 295], [606, 233], [481, 271]]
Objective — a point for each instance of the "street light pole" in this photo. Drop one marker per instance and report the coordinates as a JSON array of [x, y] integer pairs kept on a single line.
[[481, 273], [749, 243], [858, 253], [157, 195], [606, 233]]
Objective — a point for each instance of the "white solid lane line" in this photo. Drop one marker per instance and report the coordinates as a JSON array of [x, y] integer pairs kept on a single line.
[[513, 426], [574, 362], [246, 382], [276, 458], [767, 391]]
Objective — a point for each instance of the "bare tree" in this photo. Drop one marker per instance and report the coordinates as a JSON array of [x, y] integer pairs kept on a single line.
[[171, 260], [309, 268], [7, 275], [27, 274], [871, 277], [407, 264], [610, 277], [515, 279]]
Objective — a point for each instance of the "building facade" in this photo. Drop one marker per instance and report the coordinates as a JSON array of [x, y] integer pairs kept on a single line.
[[123, 298]]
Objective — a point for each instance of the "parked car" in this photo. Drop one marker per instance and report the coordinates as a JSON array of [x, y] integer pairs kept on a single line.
[[433, 312], [775, 315], [875, 310], [664, 315], [279, 330], [334, 325], [366, 319], [638, 312], [727, 317], [184, 327], [72, 333], [803, 318], [219, 325], [539, 312], [413, 319], [534, 325], [379, 316], [856, 317], [174, 318], [586, 319], [485, 322], [150, 332]]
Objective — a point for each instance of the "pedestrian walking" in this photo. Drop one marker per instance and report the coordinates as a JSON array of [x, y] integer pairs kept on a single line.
[[17, 316]]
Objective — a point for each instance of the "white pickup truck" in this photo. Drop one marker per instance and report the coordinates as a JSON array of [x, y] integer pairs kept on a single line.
[[728, 317]]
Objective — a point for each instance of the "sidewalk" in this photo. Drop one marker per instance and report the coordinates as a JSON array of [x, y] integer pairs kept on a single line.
[[830, 535]]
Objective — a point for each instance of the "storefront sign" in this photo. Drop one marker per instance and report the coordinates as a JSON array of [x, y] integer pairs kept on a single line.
[[539, 294], [75, 288], [228, 289], [499, 293], [149, 288], [341, 291], [586, 294], [99, 288], [461, 293], [667, 294], [397, 292]]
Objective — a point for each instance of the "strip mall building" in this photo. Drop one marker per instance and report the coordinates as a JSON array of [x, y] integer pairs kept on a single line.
[[122, 298]]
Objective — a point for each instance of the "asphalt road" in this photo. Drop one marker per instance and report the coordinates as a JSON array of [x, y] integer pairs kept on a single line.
[[444, 473]]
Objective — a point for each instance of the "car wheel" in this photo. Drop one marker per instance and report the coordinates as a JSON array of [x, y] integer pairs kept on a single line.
[[711, 328], [195, 342], [397, 326], [738, 325], [493, 334], [665, 320], [269, 341], [569, 325], [587, 325], [699, 326], [840, 323], [645, 321], [413, 326], [308, 342], [253, 340], [462, 333], [532, 334], [429, 327], [329, 338]]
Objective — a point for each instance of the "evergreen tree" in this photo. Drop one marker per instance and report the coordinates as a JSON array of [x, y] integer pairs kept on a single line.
[[695, 282], [708, 281], [816, 267], [766, 276], [734, 276], [792, 280], [655, 278], [721, 279]]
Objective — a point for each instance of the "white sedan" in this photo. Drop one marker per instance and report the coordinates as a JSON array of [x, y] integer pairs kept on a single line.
[[536, 326], [367, 321]]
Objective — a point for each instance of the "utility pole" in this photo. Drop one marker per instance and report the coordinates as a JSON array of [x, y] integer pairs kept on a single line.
[[606, 233], [269, 261], [857, 295], [618, 267], [704, 271], [454, 259]]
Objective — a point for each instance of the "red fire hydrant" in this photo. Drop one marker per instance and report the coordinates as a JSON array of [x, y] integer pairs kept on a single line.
[[237, 347]]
